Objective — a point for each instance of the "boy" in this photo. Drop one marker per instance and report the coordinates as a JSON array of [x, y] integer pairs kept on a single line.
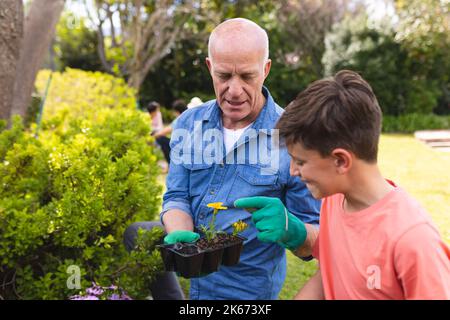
[[375, 241]]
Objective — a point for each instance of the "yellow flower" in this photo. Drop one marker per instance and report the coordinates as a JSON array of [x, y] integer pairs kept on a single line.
[[216, 206], [239, 226]]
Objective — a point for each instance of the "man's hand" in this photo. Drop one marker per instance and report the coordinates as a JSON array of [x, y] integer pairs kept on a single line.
[[181, 236], [274, 222]]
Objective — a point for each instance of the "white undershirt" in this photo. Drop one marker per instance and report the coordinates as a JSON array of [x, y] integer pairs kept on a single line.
[[230, 137]]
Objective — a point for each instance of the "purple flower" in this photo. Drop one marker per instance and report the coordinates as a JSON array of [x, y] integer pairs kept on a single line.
[[96, 291], [125, 297], [89, 297]]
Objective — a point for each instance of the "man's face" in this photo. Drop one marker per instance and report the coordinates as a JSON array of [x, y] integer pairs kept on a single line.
[[318, 173], [238, 76]]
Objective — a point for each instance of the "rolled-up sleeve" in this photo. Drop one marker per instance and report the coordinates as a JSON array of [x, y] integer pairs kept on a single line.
[[177, 194], [177, 182]]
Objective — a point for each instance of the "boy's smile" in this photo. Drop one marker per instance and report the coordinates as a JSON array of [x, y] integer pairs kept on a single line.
[[314, 170]]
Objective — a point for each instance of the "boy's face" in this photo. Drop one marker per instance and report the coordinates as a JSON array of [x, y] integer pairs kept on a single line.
[[316, 172]]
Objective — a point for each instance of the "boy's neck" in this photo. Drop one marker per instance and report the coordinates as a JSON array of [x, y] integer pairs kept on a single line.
[[367, 187]]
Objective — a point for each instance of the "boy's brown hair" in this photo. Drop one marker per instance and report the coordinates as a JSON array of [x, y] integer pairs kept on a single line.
[[337, 112]]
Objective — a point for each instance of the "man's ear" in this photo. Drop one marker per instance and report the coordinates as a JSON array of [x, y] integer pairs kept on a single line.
[[209, 64], [267, 68], [343, 160]]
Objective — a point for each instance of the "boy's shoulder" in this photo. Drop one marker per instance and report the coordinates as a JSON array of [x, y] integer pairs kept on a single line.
[[397, 213], [406, 210]]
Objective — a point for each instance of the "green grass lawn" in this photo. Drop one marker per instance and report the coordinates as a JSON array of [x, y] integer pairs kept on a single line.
[[422, 171]]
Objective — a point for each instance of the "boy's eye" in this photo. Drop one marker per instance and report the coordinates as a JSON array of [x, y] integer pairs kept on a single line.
[[300, 163]]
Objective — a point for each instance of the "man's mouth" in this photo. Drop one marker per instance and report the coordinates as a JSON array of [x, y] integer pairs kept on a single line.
[[235, 103]]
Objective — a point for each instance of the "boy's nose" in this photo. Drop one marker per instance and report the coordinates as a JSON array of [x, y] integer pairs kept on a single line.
[[294, 170]]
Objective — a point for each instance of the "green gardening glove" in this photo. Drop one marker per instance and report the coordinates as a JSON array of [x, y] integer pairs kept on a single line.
[[274, 222], [181, 236]]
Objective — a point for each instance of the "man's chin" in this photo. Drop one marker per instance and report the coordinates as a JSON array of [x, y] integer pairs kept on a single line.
[[234, 115]]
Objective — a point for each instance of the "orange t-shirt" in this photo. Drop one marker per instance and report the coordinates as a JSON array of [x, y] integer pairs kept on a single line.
[[390, 250]]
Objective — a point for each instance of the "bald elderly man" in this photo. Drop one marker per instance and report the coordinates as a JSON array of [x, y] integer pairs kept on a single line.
[[217, 156]]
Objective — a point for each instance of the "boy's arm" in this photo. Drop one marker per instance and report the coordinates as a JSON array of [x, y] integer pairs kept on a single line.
[[422, 263], [312, 290]]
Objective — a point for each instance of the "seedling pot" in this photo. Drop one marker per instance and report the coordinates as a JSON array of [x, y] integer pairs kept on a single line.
[[188, 260], [232, 252], [192, 260], [212, 260], [167, 256]]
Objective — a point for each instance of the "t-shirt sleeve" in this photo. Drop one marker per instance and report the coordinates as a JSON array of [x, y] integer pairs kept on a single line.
[[422, 263]]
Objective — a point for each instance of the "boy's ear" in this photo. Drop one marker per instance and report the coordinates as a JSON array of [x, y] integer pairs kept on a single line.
[[343, 160]]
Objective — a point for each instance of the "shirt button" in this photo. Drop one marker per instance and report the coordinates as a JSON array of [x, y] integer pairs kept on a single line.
[[202, 216]]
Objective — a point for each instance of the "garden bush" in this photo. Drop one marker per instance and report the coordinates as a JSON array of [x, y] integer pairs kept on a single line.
[[67, 196], [409, 123], [403, 82]]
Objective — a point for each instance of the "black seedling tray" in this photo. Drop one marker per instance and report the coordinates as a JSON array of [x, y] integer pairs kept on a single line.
[[190, 261]]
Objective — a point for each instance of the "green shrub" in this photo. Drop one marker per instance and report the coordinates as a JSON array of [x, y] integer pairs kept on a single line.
[[402, 81], [67, 196], [409, 123]]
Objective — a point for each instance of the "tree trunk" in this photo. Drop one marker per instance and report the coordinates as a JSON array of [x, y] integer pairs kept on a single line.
[[40, 26], [11, 31]]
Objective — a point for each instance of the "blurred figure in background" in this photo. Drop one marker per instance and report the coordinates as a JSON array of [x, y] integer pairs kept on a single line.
[[178, 107], [195, 102], [153, 109]]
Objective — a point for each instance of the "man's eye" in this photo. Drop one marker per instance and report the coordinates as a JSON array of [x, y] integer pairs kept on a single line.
[[300, 163], [224, 76]]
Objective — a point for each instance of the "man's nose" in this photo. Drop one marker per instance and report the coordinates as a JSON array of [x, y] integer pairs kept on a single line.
[[235, 88]]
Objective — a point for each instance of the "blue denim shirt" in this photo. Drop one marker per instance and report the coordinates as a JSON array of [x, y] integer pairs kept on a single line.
[[191, 185]]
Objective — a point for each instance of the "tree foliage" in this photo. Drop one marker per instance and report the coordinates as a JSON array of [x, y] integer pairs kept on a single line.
[[402, 86]]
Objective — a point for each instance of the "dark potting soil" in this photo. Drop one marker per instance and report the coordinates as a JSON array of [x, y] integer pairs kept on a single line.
[[220, 241], [187, 249]]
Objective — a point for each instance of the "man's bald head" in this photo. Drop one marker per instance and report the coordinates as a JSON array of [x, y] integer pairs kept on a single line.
[[240, 33]]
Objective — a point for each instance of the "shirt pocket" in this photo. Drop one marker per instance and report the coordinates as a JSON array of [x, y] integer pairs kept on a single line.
[[199, 177], [251, 182]]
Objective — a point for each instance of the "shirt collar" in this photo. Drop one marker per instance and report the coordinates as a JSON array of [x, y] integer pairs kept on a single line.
[[265, 120]]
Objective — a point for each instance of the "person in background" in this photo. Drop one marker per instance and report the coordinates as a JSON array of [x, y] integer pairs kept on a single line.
[[153, 109], [178, 107], [195, 102]]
